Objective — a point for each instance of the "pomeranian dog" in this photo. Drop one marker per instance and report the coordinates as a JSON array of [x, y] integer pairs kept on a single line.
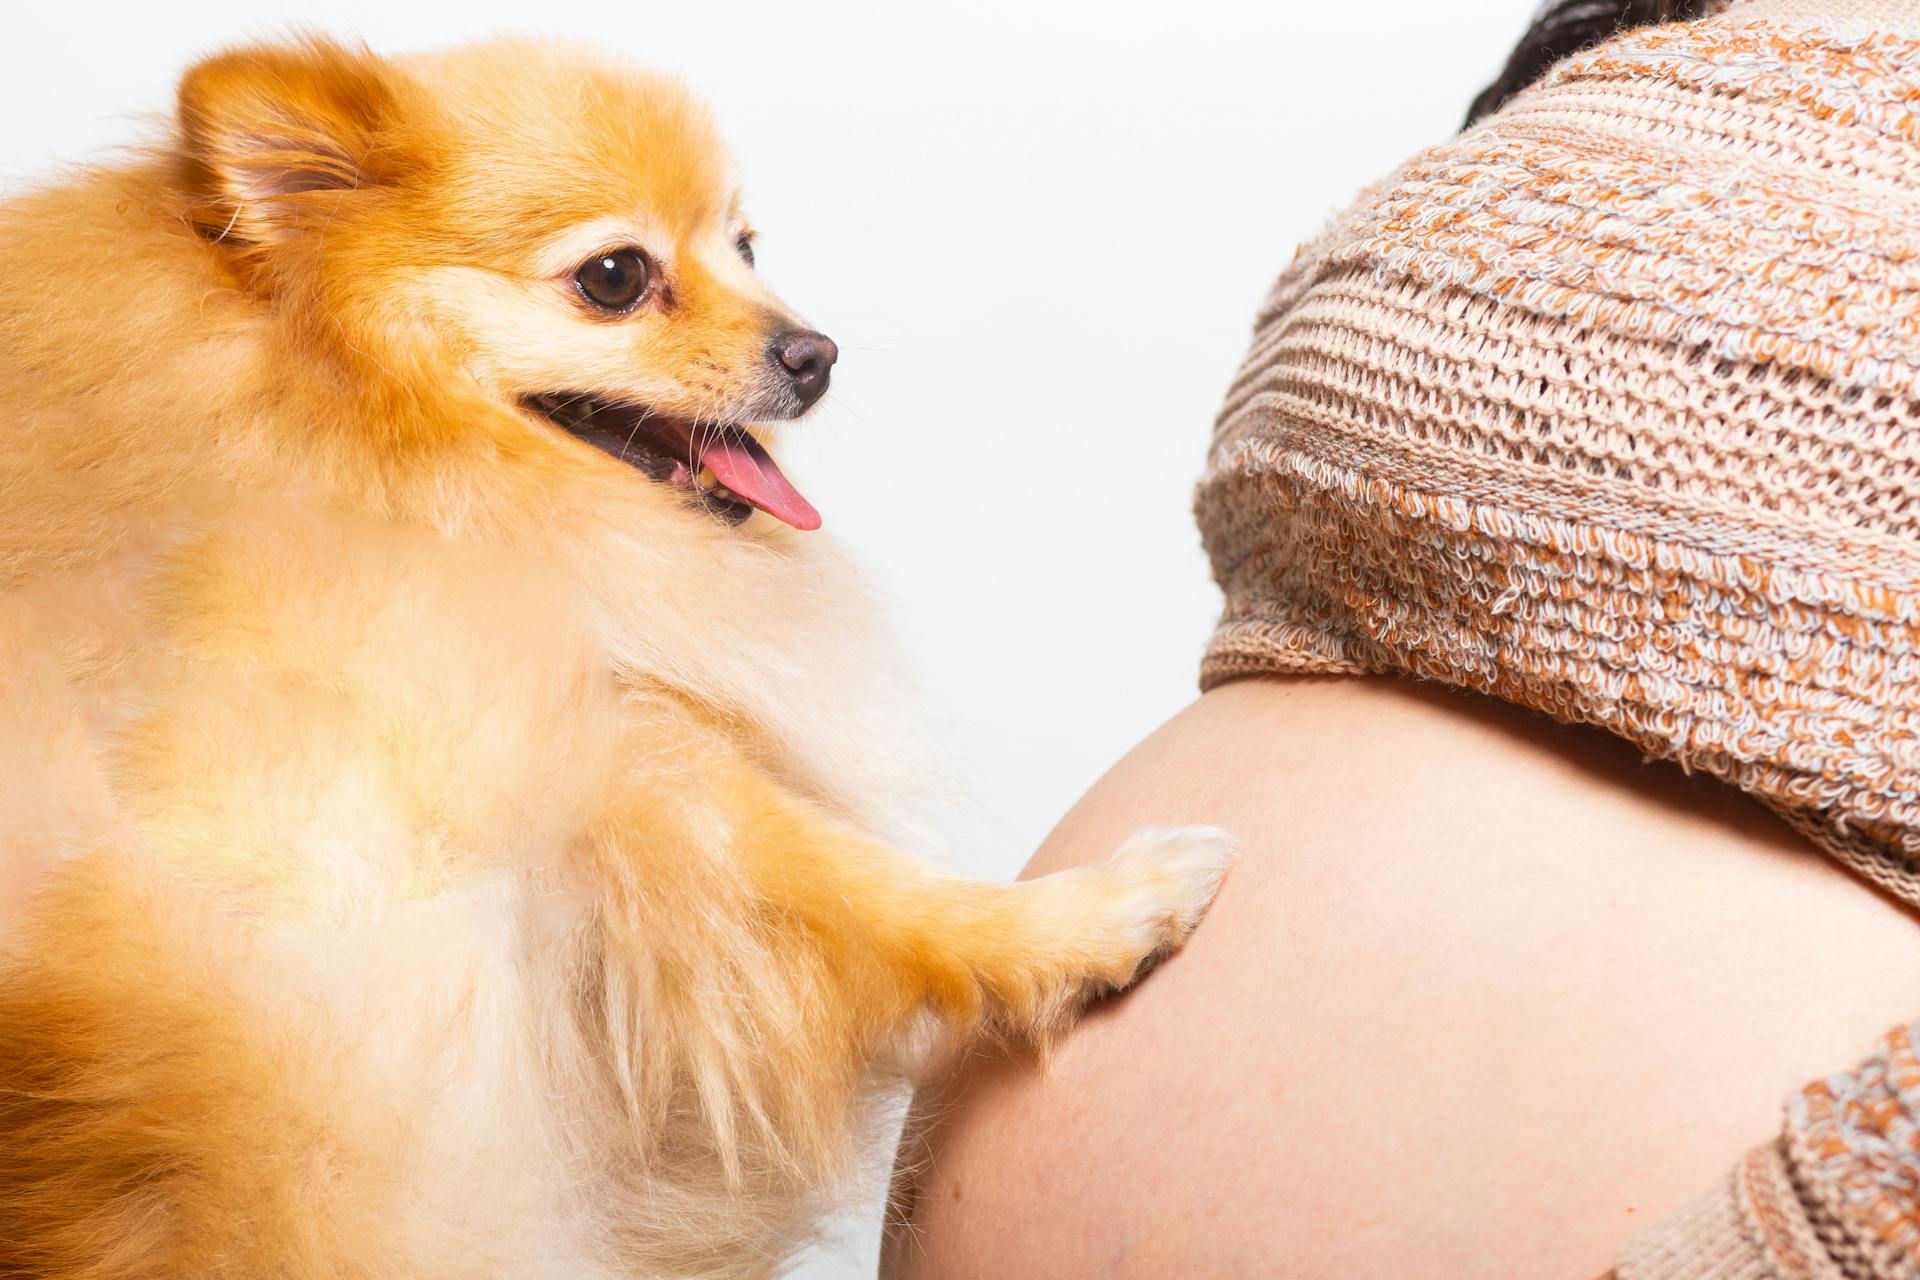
[[445, 790]]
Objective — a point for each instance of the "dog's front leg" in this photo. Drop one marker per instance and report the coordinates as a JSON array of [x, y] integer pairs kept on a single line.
[[1020, 959]]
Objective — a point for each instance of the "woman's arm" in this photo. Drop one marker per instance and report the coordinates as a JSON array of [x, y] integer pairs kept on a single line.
[[1484, 996]]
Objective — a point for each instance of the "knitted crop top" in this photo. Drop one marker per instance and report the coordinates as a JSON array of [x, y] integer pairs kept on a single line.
[[1607, 407]]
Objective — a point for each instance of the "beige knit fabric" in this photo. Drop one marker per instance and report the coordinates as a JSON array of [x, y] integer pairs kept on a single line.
[[1888, 17], [1607, 407]]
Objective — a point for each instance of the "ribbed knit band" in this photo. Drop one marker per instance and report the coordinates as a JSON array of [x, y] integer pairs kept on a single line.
[[1836, 1197], [1608, 407], [1707, 1240], [1751, 1226]]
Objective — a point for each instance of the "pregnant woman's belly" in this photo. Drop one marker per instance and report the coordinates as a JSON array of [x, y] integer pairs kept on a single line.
[[1484, 997]]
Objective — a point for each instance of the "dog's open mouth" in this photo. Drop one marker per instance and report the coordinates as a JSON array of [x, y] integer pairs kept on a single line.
[[721, 467]]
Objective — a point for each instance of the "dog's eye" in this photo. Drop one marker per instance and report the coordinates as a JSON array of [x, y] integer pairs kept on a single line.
[[613, 281], [745, 245]]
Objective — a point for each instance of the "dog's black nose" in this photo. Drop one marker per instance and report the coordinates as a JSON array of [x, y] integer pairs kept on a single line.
[[807, 358]]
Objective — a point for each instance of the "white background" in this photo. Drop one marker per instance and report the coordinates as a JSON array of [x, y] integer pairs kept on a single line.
[[1038, 231]]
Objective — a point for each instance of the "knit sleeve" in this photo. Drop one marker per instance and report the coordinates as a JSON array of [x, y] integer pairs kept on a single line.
[[1835, 1197]]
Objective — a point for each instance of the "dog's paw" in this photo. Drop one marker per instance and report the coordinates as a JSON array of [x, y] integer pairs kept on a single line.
[[1094, 929], [1159, 884]]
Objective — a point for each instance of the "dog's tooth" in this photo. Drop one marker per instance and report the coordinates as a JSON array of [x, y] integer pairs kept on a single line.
[[706, 478]]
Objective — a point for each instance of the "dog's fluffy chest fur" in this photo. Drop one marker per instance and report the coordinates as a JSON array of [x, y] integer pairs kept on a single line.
[[379, 792]]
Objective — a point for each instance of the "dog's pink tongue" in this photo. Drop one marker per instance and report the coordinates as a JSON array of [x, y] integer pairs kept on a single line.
[[739, 463]]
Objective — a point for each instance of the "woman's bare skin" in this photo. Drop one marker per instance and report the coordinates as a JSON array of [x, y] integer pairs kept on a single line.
[[1484, 996]]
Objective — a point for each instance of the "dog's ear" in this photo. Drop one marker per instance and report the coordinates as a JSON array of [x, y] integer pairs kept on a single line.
[[272, 136]]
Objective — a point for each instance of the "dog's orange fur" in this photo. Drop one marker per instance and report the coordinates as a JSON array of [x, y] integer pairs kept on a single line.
[[430, 847]]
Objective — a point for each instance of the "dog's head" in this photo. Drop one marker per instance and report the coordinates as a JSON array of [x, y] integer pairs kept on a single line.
[[518, 240]]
